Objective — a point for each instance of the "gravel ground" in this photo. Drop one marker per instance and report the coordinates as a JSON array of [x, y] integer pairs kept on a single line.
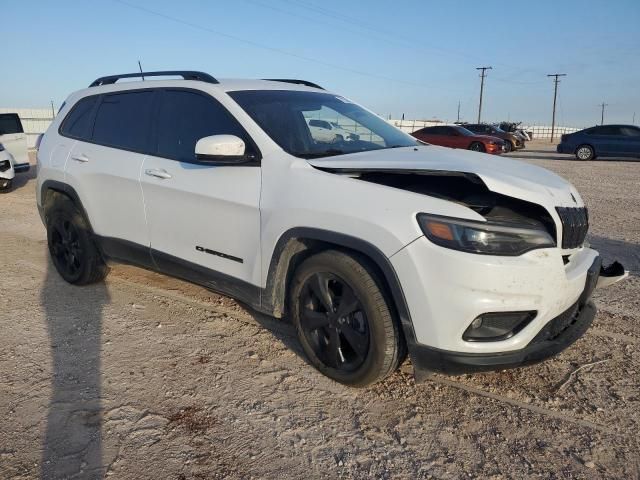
[[145, 376]]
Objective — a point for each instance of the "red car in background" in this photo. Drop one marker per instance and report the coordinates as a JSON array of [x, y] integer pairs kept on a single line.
[[455, 136]]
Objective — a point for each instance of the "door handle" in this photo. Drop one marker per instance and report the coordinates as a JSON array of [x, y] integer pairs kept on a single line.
[[161, 173], [80, 158]]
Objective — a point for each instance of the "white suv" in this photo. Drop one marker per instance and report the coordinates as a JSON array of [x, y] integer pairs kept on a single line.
[[372, 247]]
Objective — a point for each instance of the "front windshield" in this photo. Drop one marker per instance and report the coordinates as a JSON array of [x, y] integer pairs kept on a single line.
[[292, 119]]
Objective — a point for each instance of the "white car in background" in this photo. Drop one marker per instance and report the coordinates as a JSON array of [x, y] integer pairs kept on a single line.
[[329, 132], [13, 149]]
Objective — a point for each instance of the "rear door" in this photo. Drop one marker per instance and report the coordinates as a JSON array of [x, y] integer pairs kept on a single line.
[[13, 138], [432, 135], [199, 214], [105, 163]]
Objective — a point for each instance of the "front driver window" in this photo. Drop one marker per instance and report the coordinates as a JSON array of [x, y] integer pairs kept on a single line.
[[185, 117]]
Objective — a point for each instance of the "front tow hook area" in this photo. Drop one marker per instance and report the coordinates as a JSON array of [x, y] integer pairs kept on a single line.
[[611, 274]]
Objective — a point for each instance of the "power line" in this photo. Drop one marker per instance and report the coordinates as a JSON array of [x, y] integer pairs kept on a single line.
[[264, 47], [483, 74], [395, 35], [556, 81]]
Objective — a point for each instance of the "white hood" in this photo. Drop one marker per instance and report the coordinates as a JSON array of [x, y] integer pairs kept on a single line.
[[501, 175]]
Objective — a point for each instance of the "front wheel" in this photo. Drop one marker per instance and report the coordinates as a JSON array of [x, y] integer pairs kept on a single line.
[[508, 146], [585, 152], [476, 147], [343, 321]]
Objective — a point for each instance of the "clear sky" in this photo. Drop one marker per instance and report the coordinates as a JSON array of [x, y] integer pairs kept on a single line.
[[416, 57]]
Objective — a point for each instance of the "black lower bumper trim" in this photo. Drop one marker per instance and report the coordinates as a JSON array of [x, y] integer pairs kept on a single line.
[[554, 337], [21, 167]]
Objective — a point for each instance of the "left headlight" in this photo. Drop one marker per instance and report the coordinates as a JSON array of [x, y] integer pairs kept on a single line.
[[488, 238]]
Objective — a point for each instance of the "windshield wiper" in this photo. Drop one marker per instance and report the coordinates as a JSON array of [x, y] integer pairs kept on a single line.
[[326, 153]]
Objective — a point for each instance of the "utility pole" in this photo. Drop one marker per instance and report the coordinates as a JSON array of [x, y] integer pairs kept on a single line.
[[53, 110], [459, 112], [633, 122], [140, 67], [602, 113], [556, 81], [483, 73]]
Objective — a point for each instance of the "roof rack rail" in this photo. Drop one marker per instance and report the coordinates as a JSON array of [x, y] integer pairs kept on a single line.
[[185, 74], [293, 80]]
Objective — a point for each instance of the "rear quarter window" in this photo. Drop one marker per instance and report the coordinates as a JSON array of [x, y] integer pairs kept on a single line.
[[77, 123]]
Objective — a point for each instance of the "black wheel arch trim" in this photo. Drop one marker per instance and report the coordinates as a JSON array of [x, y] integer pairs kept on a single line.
[[65, 189], [292, 243]]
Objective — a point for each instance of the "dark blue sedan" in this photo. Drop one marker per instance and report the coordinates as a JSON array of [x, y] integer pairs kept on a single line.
[[602, 141]]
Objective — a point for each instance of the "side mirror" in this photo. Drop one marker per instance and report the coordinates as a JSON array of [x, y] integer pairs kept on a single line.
[[221, 149]]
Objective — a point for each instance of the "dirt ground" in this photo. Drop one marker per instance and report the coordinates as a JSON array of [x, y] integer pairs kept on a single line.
[[145, 376]]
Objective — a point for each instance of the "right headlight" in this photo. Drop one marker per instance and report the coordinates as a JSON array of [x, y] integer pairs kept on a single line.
[[488, 238], [1, 147]]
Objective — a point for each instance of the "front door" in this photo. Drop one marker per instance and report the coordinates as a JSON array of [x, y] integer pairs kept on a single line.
[[200, 215]]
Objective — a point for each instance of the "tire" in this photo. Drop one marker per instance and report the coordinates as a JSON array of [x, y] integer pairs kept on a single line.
[[5, 185], [71, 245], [477, 147], [585, 153], [369, 344], [508, 146]]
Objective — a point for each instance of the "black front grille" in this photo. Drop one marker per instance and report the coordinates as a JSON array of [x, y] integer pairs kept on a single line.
[[575, 224]]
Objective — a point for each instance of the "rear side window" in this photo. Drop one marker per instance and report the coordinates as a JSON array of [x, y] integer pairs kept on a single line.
[[123, 120], [185, 117], [77, 123], [605, 130], [10, 123]]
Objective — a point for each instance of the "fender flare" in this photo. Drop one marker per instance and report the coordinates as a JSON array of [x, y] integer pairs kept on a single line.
[[64, 189], [292, 242]]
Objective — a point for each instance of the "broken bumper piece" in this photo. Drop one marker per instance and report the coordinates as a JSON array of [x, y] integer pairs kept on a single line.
[[611, 274]]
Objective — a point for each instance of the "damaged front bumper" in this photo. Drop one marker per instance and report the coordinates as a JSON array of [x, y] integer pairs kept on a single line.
[[555, 336]]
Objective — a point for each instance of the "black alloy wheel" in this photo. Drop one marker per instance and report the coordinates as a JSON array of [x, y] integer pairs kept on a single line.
[[334, 322], [476, 147], [65, 247], [345, 319], [508, 146], [71, 243]]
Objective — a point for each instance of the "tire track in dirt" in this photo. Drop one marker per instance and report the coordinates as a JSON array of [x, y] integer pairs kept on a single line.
[[288, 331]]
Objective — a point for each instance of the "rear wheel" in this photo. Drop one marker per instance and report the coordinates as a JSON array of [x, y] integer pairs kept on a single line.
[[508, 146], [343, 321], [476, 147], [71, 246], [585, 152], [5, 184]]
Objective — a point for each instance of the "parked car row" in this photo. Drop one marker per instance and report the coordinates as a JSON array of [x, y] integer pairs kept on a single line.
[[455, 136], [13, 149], [478, 137]]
